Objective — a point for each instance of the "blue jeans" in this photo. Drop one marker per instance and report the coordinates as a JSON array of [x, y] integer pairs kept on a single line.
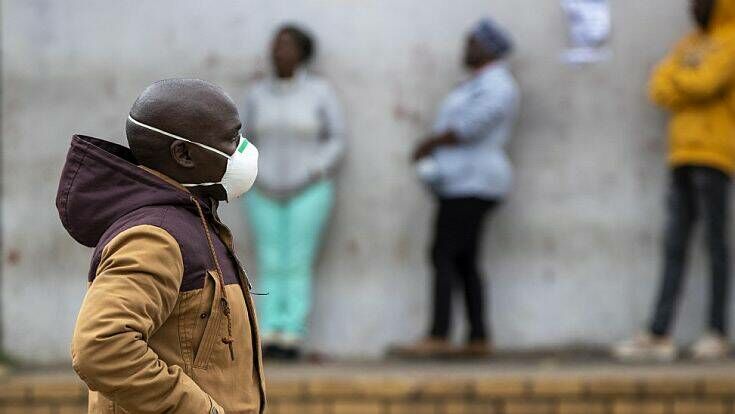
[[287, 238]]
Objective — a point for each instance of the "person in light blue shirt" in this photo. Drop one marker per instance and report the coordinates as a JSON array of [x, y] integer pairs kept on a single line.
[[466, 156], [465, 165]]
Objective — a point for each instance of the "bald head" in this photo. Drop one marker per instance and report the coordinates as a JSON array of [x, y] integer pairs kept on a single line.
[[190, 108]]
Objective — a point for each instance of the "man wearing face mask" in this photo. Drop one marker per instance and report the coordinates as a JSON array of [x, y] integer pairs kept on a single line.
[[168, 323], [695, 84]]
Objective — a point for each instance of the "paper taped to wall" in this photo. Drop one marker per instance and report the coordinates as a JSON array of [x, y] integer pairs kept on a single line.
[[589, 31]]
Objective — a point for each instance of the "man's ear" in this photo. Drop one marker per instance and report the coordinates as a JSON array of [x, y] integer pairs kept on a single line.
[[180, 153]]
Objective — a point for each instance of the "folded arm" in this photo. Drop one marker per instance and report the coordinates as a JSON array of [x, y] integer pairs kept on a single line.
[[661, 88], [333, 134], [710, 76]]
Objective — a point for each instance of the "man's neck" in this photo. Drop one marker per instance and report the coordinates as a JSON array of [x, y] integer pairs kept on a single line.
[[203, 193], [164, 177]]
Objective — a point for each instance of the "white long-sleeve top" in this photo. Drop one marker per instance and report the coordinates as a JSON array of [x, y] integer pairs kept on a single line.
[[298, 126]]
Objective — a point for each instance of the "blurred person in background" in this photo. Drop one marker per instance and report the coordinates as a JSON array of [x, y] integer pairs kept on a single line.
[[296, 120], [465, 165], [695, 84]]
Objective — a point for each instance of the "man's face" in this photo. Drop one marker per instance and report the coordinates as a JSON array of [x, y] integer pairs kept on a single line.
[[474, 54], [702, 12], [221, 132]]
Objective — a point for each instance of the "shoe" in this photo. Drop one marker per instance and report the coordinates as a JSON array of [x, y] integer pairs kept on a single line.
[[424, 348], [711, 347], [645, 347], [291, 353], [272, 351], [290, 347], [476, 349], [271, 345]]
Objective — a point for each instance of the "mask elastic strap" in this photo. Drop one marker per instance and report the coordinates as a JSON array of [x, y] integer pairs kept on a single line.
[[200, 184], [168, 134]]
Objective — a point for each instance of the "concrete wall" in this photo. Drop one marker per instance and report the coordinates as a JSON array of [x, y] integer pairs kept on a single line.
[[571, 258]]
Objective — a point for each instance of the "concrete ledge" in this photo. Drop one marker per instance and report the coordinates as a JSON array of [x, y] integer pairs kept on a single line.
[[444, 389]]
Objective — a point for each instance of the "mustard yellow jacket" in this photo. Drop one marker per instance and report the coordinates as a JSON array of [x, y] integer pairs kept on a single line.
[[695, 83]]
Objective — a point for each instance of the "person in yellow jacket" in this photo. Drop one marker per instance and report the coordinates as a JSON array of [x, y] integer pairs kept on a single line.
[[696, 84]]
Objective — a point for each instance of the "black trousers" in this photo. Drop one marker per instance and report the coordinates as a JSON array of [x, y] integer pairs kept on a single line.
[[695, 192], [457, 234]]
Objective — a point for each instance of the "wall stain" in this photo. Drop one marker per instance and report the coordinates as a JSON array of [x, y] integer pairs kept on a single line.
[[352, 247], [212, 61], [14, 257], [411, 116]]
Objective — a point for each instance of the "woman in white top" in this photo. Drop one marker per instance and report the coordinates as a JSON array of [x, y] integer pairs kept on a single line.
[[296, 121]]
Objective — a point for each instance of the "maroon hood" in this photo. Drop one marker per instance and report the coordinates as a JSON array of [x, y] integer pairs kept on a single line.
[[101, 182]]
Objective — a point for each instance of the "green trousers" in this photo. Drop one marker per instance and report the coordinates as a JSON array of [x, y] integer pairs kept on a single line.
[[287, 237]]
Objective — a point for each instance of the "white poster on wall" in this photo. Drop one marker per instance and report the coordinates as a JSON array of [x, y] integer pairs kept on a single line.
[[589, 31]]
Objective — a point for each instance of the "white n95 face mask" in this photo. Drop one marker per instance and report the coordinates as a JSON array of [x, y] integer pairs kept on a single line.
[[242, 165]]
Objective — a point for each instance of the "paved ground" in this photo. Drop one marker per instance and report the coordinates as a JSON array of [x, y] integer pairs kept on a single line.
[[552, 384], [497, 368], [513, 366]]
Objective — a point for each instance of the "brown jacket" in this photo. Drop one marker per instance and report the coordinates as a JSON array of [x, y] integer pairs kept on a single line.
[[168, 323]]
